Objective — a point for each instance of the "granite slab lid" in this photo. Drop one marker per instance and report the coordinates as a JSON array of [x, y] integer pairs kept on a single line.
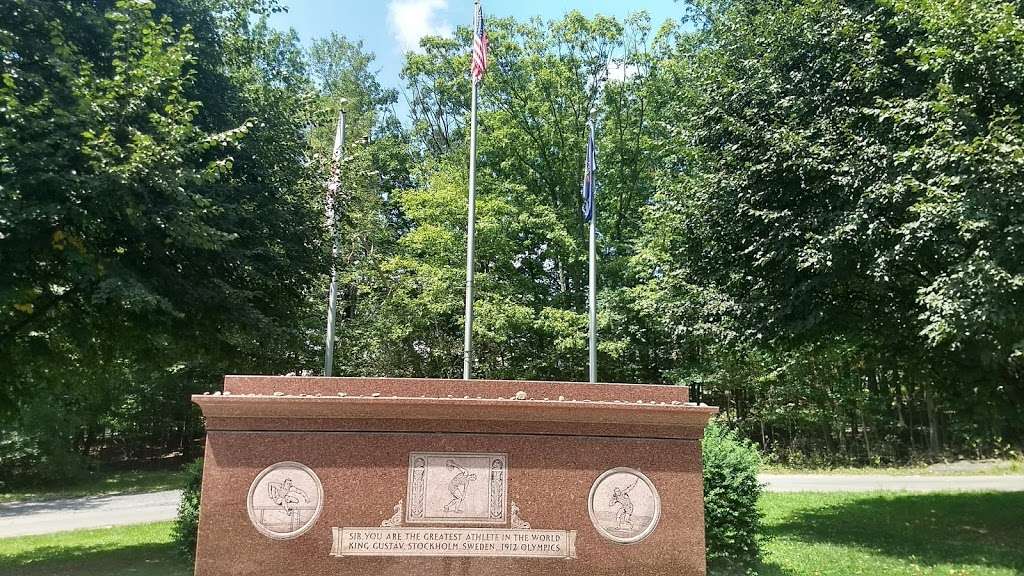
[[416, 405]]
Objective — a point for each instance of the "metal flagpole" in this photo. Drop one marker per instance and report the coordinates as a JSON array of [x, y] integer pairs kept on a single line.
[[479, 65], [467, 361], [333, 187], [593, 279], [593, 292]]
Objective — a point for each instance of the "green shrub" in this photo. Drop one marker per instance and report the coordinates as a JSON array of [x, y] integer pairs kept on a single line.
[[731, 490], [186, 527]]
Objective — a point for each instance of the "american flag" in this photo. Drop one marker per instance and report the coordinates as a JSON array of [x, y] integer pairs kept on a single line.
[[479, 45], [589, 180]]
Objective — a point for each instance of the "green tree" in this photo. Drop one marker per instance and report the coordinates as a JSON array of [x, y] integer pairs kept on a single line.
[[157, 231], [847, 177], [544, 81]]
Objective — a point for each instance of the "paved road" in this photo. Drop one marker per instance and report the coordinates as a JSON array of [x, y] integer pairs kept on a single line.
[[24, 518]]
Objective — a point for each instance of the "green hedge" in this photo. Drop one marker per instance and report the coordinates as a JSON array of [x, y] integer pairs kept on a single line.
[[186, 527], [731, 490]]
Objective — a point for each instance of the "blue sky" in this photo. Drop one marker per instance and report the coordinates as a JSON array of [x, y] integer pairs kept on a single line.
[[388, 28]]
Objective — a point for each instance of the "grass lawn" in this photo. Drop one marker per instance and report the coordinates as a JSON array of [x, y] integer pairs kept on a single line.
[[812, 535], [962, 534], [103, 482], [144, 550]]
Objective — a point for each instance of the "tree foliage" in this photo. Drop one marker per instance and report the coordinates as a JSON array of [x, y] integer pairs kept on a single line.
[[157, 221], [547, 80], [809, 212], [849, 177]]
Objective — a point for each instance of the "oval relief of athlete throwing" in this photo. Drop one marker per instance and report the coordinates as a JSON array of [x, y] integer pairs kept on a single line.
[[624, 505], [285, 500]]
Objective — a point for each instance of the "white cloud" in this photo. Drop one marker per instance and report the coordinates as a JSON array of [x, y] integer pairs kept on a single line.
[[411, 20]]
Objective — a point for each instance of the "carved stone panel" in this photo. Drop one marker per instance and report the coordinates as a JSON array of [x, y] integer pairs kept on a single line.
[[457, 488], [624, 505], [285, 500], [454, 542]]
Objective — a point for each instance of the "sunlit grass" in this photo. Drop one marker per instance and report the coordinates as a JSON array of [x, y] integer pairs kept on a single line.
[[101, 482], [890, 534], [142, 550], [812, 534]]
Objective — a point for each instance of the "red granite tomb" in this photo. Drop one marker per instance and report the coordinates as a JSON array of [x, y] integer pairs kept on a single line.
[[374, 477]]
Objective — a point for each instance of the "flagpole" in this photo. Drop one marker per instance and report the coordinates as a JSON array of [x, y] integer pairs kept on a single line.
[[593, 297], [333, 187], [593, 290], [467, 352]]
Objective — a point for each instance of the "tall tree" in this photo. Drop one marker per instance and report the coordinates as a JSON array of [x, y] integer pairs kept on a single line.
[[156, 231], [545, 83], [848, 176]]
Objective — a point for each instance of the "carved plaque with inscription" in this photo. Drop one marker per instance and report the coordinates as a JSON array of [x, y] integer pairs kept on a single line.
[[454, 542], [457, 488]]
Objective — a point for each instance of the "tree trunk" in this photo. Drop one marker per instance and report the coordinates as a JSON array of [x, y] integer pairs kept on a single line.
[[854, 430], [86, 442], [910, 421], [864, 430], [841, 432], [186, 438], [933, 422], [900, 421]]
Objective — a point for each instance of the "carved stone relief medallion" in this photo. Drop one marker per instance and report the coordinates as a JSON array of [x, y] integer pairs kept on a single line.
[[285, 500], [457, 488], [624, 505]]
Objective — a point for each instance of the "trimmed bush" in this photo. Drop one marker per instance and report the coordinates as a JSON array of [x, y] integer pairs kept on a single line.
[[731, 490], [186, 526]]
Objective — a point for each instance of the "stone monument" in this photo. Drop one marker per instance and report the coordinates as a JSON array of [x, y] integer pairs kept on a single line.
[[317, 476]]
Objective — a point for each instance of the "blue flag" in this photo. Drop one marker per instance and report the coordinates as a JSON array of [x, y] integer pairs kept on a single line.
[[590, 177]]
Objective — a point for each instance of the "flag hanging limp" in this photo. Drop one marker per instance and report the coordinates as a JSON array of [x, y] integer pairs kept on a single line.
[[590, 215], [589, 177], [479, 45]]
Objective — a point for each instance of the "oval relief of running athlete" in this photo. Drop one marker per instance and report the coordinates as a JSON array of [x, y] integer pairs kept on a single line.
[[624, 505], [285, 500]]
